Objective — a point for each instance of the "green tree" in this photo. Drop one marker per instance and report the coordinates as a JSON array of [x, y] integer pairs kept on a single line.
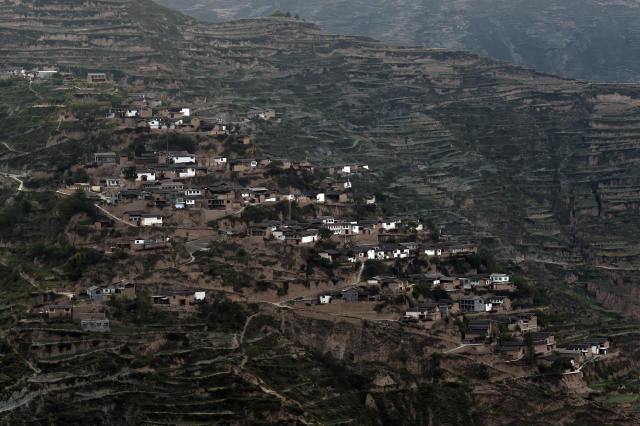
[[530, 352], [74, 204], [325, 234], [373, 268], [223, 314], [130, 173]]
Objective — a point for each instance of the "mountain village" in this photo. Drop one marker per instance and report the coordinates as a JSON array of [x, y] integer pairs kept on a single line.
[[256, 221], [203, 181]]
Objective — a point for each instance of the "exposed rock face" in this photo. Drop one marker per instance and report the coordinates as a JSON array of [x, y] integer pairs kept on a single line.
[[594, 40]]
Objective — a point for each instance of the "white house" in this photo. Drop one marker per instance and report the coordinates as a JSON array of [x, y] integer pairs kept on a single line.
[[187, 172], [112, 183], [193, 192], [371, 253], [401, 253], [151, 220], [190, 202], [278, 235], [370, 200], [475, 304], [320, 198], [220, 161], [145, 176], [131, 113], [336, 227], [499, 278], [388, 225], [183, 158], [432, 251], [200, 295], [346, 169], [413, 313], [179, 203], [308, 238], [156, 124], [45, 74], [325, 299], [186, 112], [434, 281]]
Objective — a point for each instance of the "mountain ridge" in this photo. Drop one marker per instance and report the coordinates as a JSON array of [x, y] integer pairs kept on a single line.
[[589, 40]]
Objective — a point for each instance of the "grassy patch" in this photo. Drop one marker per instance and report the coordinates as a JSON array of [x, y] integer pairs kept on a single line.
[[622, 398]]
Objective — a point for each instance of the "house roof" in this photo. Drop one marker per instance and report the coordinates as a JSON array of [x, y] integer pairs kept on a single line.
[[541, 335], [422, 307], [517, 343], [510, 348], [506, 319], [597, 340], [555, 357], [479, 324], [578, 346]]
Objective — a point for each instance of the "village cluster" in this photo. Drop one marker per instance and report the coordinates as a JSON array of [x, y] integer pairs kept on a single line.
[[481, 301], [156, 187], [90, 311]]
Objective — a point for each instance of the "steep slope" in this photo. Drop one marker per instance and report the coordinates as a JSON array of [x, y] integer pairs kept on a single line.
[[540, 167], [288, 369], [594, 40]]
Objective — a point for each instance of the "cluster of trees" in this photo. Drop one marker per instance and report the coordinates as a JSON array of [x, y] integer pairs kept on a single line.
[[13, 213], [222, 314], [75, 260], [300, 179], [139, 310], [76, 203], [279, 210]]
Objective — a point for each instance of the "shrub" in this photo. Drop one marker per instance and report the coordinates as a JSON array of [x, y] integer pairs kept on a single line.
[[255, 214], [74, 204], [139, 310], [373, 268], [223, 314]]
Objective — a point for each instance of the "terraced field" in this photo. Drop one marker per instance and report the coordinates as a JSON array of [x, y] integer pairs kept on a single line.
[[334, 372], [588, 39], [540, 168]]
